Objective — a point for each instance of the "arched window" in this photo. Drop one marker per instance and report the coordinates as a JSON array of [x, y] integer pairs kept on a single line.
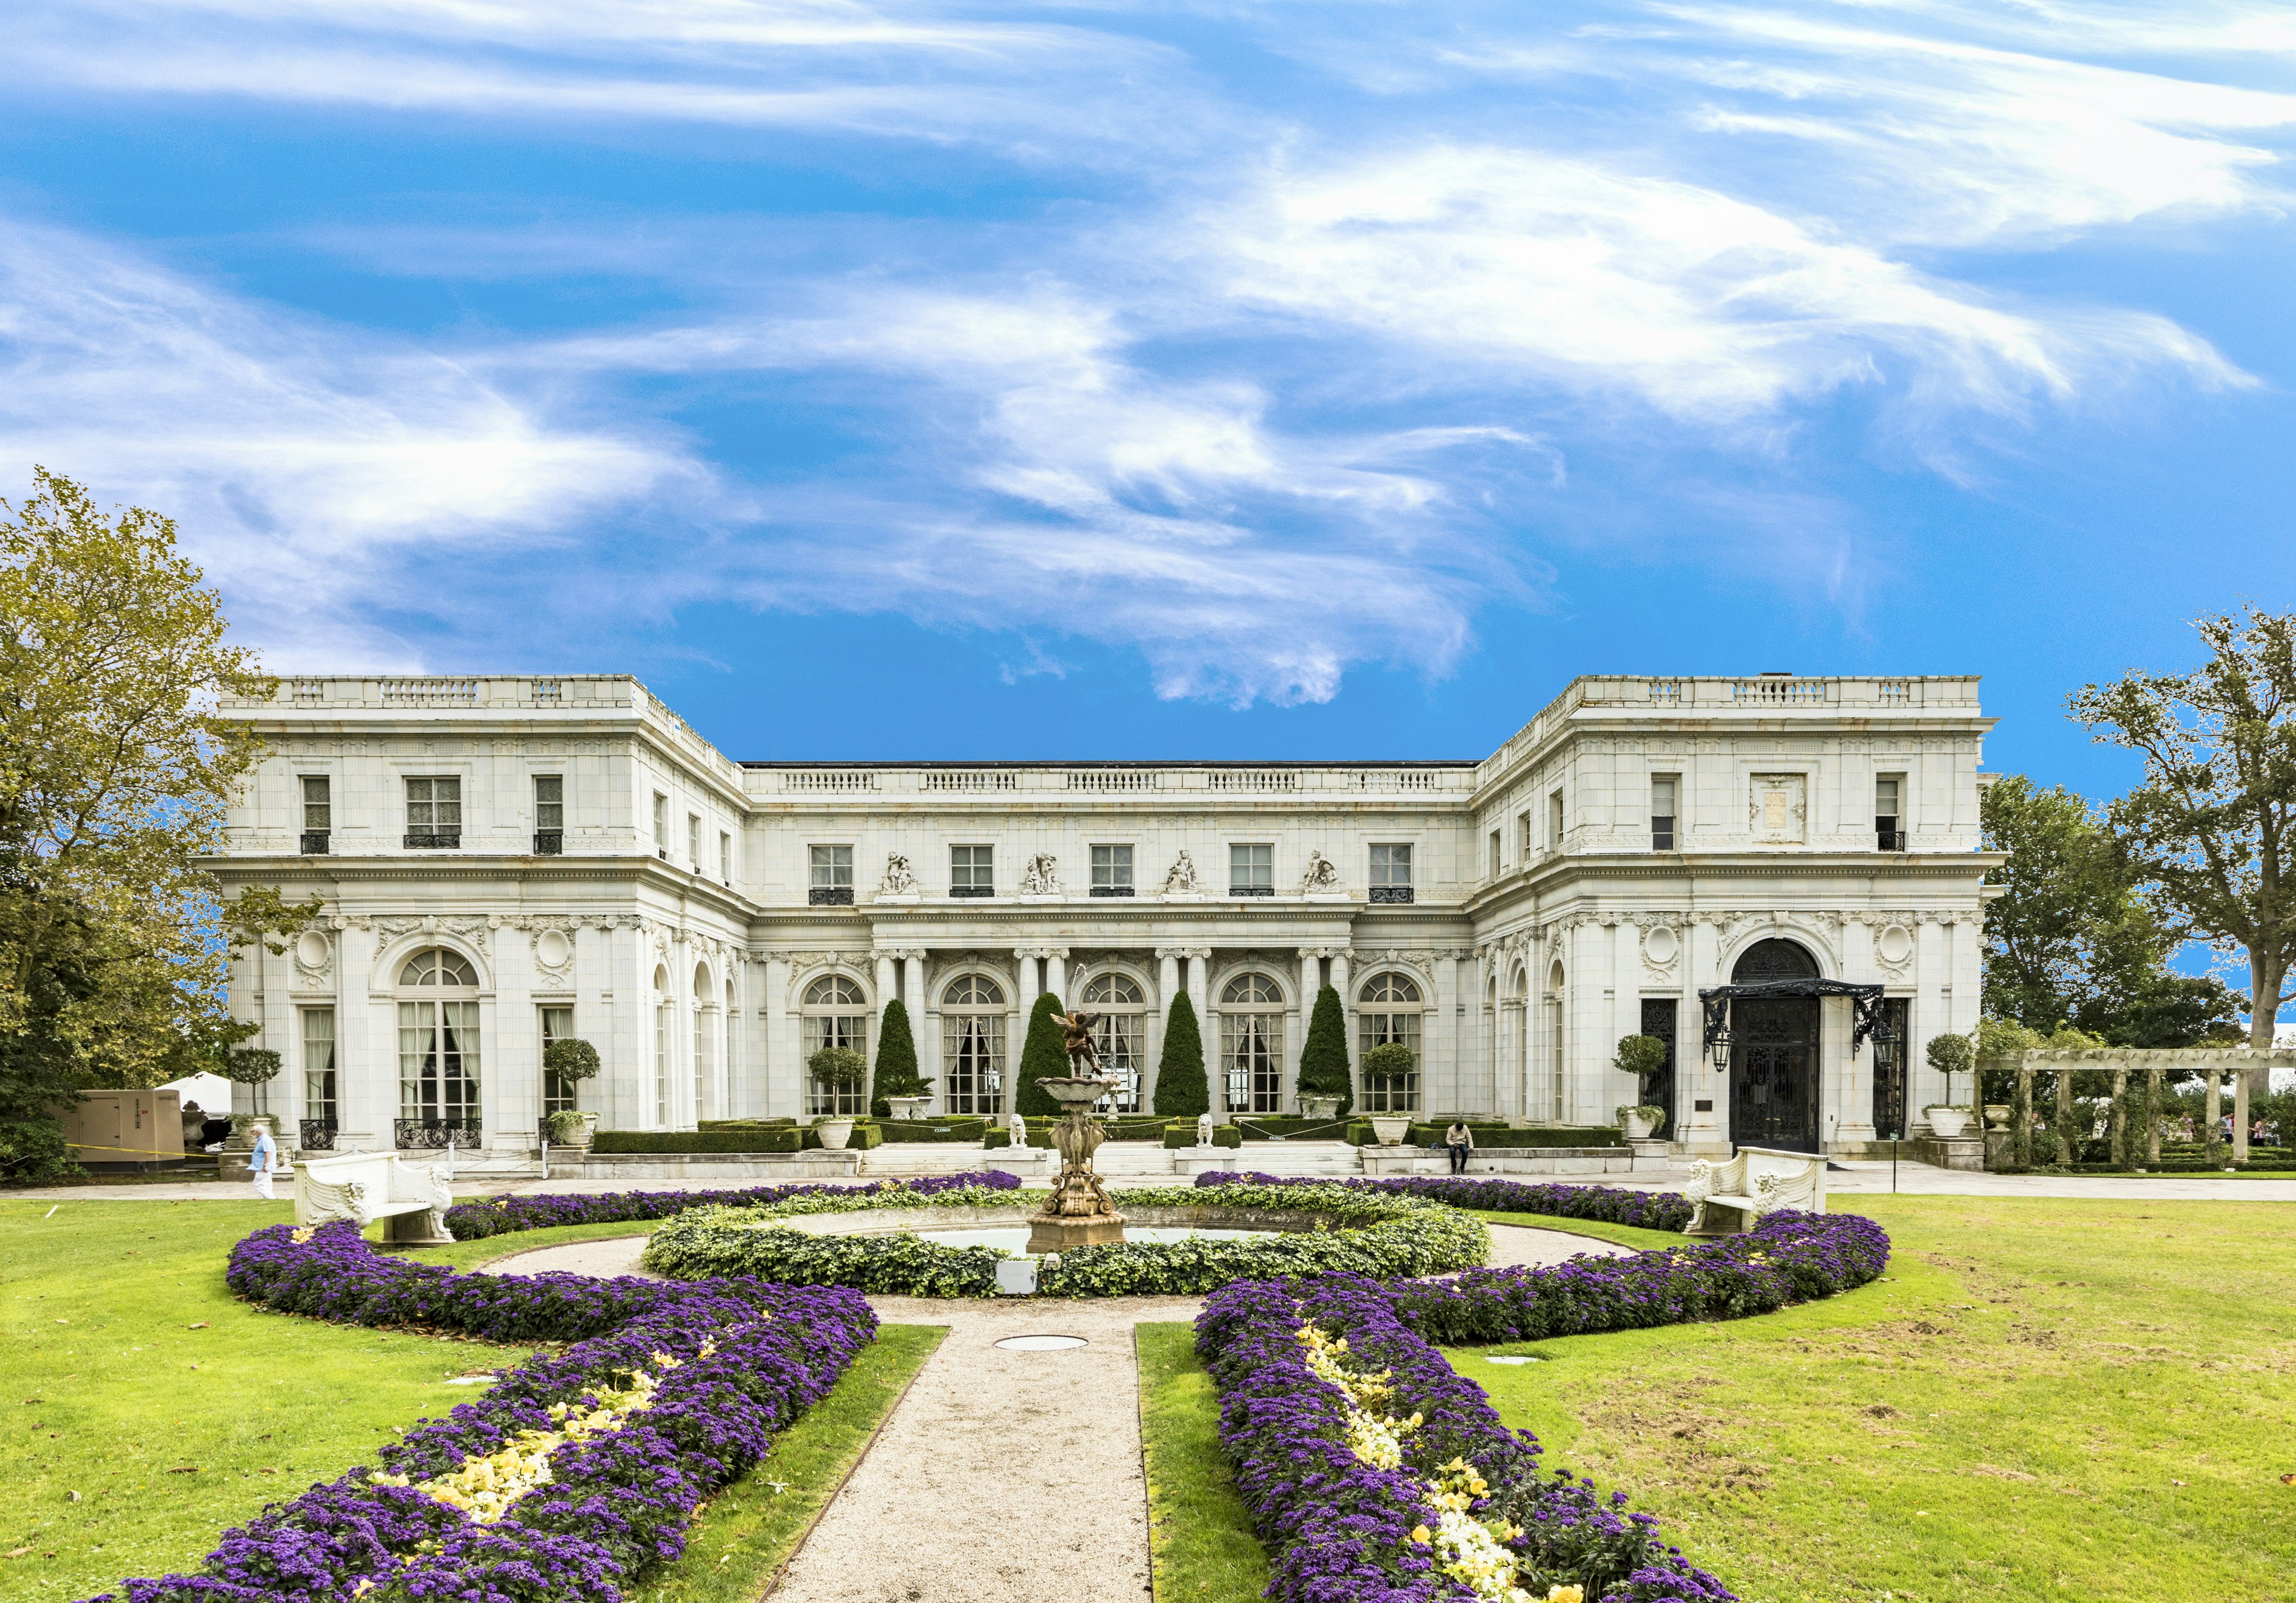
[[973, 1045], [705, 1045], [665, 1039], [836, 1014], [438, 1050], [1557, 1039], [1251, 1044], [1774, 959], [1389, 1011], [1119, 1032]]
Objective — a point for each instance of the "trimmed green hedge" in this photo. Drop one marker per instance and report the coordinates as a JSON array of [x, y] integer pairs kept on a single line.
[[953, 1129], [728, 1135], [1360, 1233], [1182, 1133], [1122, 1127], [1499, 1136]]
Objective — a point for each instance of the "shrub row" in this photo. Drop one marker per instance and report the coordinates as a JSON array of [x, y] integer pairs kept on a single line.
[[1355, 1231], [501, 1216], [727, 1364]]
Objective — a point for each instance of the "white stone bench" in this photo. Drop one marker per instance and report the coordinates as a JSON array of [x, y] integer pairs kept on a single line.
[[363, 1187], [1759, 1180]]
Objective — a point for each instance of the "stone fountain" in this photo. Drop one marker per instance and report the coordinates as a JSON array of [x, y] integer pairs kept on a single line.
[[1080, 1213]]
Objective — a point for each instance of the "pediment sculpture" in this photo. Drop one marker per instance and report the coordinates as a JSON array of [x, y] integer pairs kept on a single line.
[[1041, 876], [1181, 875], [899, 879]]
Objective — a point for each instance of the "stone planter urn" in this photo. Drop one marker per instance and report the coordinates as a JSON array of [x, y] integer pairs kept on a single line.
[[1997, 1115], [908, 1107], [576, 1131], [1318, 1108], [1390, 1129], [1948, 1122], [834, 1134], [1638, 1123]]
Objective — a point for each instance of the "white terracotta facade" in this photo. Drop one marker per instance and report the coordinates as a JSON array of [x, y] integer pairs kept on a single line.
[[678, 924]]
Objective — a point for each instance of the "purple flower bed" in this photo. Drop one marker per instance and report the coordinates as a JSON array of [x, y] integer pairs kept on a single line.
[[1340, 1530], [500, 1215], [730, 1363], [1646, 1210]]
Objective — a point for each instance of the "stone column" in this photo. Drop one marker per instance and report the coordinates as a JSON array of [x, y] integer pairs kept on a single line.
[[1440, 1040], [778, 1048], [1056, 974], [913, 988], [1168, 975], [366, 1044], [886, 971], [1311, 980]]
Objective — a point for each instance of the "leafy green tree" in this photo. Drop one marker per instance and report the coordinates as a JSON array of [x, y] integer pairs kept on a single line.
[[897, 1060], [1323, 1068], [2210, 832], [2072, 938], [1043, 1056], [115, 773], [1183, 1088]]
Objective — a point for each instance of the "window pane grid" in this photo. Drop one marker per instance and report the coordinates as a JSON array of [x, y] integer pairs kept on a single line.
[[434, 807], [549, 802], [1251, 868], [1112, 866], [1391, 1094], [438, 1061], [557, 1091], [972, 868], [318, 1063], [1390, 864], [317, 809], [830, 867]]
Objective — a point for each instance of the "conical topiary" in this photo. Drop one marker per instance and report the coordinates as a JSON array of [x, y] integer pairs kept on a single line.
[[1183, 1090], [897, 1061], [1324, 1059], [1042, 1056]]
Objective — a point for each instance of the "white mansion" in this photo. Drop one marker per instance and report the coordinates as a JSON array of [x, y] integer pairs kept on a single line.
[[508, 860]]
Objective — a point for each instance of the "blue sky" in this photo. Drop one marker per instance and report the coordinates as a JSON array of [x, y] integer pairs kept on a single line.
[[1286, 381]]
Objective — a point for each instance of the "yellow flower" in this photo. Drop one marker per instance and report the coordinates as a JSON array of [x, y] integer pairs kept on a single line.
[[1421, 1536], [1565, 1594]]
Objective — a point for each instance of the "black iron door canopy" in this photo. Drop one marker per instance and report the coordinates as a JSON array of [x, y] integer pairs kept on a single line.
[[1870, 1022]]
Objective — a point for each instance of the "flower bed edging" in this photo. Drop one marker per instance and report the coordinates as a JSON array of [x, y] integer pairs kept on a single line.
[[1376, 1235], [691, 1381], [1645, 1210], [501, 1216]]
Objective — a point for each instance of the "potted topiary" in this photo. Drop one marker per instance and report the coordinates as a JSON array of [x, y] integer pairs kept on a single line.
[[842, 1070], [1950, 1055], [1640, 1120], [254, 1067], [1388, 1060], [571, 1061]]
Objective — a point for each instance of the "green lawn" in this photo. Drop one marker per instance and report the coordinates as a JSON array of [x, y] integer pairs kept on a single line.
[[1204, 1548], [174, 1411], [2046, 1399]]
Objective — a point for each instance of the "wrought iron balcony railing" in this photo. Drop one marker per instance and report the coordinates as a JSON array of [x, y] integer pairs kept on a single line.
[[1112, 890], [317, 1135], [829, 895], [413, 1134], [1890, 840], [433, 842], [313, 843], [549, 843], [1390, 893], [1250, 890], [971, 890]]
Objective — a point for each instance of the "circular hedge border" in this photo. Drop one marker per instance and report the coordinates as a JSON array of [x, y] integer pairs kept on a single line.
[[1336, 1230]]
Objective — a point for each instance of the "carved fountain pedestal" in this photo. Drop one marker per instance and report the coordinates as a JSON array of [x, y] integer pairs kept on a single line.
[[1079, 1211]]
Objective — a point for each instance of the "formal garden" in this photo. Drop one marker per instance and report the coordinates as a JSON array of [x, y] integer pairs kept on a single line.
[[1932, 1398]]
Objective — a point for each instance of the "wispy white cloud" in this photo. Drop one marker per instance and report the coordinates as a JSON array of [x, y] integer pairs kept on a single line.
[[336, 484]]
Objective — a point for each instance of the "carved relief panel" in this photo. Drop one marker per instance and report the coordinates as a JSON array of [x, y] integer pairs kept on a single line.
[[1778, 810]]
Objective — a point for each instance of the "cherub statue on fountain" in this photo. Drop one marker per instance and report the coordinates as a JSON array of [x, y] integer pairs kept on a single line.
[[1080, 1213]]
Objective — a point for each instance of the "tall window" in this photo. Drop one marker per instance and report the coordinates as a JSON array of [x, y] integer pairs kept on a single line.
[[318, 813], [557, 1091], [1556, 1043], [705, 1046], [829, 876], [972, 870], [319, 1066], [1251, 870], [1119, 1032], [1251, 1044], [661, 821], [434, 813], [549, 812], [973, 1045], [437, 1049], [664, 1043], [694, 839], [725, 856], [1888, 822], [1390, 874], [1390, 1011], [1663, 814], [1525, 843], [836, 1014], [1554, 821], [1497, 862], [1111, 871]]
